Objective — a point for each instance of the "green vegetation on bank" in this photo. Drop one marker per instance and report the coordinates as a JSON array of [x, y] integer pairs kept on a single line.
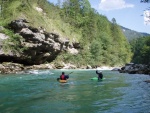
[[102, 42]]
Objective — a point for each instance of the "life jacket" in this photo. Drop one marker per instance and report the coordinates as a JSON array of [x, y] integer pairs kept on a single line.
[[62, 77]]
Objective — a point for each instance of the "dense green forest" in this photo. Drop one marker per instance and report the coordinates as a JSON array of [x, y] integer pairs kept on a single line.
[[141, 49], [102, 42]]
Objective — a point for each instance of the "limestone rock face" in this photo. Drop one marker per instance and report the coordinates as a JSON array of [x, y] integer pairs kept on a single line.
[[41, 46]]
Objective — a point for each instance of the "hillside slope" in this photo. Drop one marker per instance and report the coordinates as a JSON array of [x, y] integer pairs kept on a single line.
[[97, 40]]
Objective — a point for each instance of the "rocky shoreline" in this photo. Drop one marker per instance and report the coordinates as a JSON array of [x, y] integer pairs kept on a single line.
[[14, 68]]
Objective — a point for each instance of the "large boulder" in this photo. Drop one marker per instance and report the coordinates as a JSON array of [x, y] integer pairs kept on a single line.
[[132, 68]]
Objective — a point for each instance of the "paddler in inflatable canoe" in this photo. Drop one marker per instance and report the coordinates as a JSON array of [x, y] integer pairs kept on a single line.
[[63, 78], [100, 76]]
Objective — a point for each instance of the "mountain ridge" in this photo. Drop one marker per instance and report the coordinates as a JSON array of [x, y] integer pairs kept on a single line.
[[132, 34]]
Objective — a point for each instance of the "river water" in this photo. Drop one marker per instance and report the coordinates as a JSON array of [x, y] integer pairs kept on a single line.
[[40, 92]]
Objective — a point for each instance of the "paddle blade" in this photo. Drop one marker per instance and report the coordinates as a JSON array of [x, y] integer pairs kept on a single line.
[[58, 79]]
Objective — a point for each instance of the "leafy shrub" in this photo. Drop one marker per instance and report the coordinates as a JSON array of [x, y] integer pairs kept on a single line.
[[13, 43]]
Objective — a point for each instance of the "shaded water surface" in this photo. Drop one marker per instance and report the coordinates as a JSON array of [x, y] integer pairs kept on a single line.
[[41, 93]]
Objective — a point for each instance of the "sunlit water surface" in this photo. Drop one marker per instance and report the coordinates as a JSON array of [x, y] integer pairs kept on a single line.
[[40, 92]]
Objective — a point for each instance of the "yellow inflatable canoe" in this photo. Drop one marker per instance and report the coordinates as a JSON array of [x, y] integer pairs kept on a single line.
[[62, 81]]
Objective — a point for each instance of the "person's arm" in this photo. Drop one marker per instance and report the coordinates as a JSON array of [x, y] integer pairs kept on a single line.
[[97, 72], [66, 76]]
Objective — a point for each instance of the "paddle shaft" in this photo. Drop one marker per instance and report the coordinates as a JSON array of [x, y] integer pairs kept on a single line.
[[70, 73]]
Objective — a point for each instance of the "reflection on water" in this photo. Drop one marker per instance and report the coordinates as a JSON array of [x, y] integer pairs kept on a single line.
[[41, 93]]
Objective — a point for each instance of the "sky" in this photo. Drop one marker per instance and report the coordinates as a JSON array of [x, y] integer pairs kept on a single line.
[[128, 13]]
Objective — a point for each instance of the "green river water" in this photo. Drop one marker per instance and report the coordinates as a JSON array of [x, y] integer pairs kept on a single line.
[[41, 93]]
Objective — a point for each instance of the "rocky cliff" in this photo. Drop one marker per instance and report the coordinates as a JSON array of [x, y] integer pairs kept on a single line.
[[41, 46]]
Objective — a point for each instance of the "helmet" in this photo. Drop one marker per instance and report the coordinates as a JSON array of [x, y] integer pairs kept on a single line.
[[98, 72]]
